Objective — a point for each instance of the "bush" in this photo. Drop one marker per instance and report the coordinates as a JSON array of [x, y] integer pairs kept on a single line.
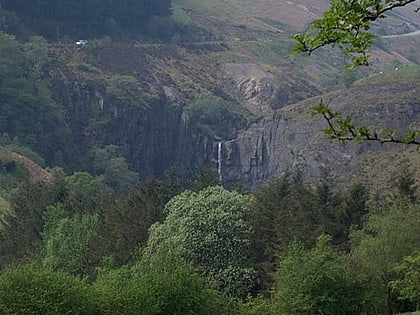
[[26, 290], [317, 281], [160, 285]]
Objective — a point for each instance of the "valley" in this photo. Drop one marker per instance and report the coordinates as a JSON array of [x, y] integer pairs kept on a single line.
[[176, 157]]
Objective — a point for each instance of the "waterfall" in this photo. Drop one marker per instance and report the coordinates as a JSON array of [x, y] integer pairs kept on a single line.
[[219, 161]]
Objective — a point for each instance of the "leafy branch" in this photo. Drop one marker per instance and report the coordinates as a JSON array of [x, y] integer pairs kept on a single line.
[[341, 128], [347, 25]]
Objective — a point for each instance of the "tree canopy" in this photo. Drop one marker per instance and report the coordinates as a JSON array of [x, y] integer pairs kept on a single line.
[[317, 281], [210, 230], [54, 19]]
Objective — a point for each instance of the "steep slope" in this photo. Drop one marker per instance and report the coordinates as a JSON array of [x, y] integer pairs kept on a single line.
[[290, 138], [146, 98]]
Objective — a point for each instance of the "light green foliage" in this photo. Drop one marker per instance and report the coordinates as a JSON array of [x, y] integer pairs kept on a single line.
[[391, 232], [162, 284], [341, 127], [408, 284], [68, 242], [347, 25], [316, 281], [27, 291], [210, 230], [258, 306]]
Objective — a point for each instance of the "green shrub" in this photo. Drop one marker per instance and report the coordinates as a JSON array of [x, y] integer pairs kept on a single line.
[[26, 290], [160, 285], [216, 118]]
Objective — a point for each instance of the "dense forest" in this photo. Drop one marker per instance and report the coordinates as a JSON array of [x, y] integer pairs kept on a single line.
[[61, 20], [172, 246], [82, 233]]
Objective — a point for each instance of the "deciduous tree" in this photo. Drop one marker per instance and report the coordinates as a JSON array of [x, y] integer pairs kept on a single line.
[[390, 233], [316, 281], [210, 230]]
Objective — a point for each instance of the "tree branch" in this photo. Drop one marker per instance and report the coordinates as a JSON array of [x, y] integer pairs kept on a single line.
[[347, 24], [342, 129]]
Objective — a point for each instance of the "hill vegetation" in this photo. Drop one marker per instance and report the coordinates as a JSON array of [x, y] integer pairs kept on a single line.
[[95, 215], [140, 254], [83, 19]]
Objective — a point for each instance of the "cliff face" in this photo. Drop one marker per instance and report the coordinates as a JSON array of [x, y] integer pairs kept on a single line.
[[139, 104], [130, 104], [291, 138]]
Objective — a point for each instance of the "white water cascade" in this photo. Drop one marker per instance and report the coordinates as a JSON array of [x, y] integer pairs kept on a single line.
[[219, 161]]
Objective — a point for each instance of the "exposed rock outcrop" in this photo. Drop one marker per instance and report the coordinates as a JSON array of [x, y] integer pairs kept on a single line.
[[155, 133], [291, 138]]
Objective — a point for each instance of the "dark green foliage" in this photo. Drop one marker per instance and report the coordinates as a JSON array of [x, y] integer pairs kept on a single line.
[[317, 281], [124, 90], [406, 185], [205, 178], [27, 290], [85, 193], [28, 112], [353, 211], [289, 209], [286, 210], [216, 118], [125, 223], [328, 203], [77, 18], [211, 230], [11, 171], [114, 169], [22, 237]]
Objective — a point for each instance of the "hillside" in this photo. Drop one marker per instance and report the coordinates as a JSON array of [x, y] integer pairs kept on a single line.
[[164, 104], [292, 138], [173, 164]]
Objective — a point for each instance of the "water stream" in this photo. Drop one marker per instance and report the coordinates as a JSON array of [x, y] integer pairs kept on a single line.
[[219, 161]]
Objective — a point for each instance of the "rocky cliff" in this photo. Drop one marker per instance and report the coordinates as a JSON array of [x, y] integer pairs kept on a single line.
[[136, 98], [291, 138]]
